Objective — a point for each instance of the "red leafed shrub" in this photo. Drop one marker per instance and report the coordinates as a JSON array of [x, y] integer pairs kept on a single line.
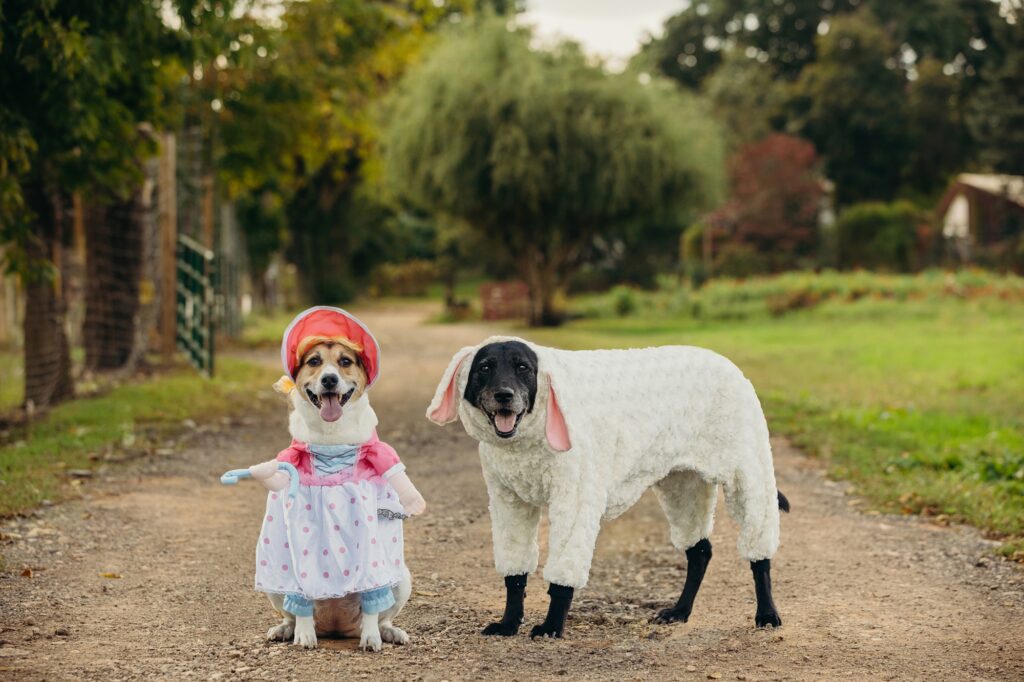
[[775, 198]]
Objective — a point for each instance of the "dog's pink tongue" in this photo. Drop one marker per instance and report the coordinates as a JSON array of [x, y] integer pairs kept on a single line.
[[330, 407], [505, 421]]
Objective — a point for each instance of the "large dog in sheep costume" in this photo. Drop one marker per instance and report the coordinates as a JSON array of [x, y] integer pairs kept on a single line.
[[585, 433]]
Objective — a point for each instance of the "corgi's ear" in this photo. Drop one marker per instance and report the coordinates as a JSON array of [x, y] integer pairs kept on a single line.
[[555, 428], [444, 408]]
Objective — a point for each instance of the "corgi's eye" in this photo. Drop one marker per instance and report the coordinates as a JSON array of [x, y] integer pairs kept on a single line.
[[314, 361], [345, 362], [523, 367]]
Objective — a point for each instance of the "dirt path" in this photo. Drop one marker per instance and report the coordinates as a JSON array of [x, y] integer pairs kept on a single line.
[[862, 597]]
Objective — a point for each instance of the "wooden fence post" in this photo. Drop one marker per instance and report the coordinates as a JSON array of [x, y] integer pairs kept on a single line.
[[168, 216]]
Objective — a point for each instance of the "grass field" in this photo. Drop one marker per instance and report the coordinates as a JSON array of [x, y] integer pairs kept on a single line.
[[135, 415], [919, 402]]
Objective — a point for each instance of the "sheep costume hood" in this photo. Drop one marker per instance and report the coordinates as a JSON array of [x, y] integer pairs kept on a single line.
[[605, 426]]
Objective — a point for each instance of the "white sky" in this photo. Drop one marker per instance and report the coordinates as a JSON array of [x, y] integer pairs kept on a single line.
[[608, 28]]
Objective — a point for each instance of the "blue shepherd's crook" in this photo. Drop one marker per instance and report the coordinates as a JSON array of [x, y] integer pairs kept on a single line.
[[235, 475]]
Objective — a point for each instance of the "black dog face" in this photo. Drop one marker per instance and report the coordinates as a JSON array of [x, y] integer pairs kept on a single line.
[[503, 384]]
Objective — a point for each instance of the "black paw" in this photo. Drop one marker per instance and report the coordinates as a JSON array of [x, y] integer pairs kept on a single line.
[[672, 615], [501, 629], [545, 630], [768, 620]]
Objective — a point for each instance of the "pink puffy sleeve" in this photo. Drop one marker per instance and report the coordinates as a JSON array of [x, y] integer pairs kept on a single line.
[[295, 456], [380, 457]]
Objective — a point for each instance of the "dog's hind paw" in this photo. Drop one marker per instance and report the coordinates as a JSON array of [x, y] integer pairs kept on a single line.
[[501, 629], [672, 615], [393, 635], [768, 620], [370, 641], [281, 633]]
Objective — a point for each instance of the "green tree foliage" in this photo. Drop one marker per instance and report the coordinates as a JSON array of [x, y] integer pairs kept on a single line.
[[747, 98], [877, 235], [995, 114], [851, 104], [541, 153]]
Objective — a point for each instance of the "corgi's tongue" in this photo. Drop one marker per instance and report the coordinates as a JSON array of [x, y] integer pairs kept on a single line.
[[505, 420], [330, 407]]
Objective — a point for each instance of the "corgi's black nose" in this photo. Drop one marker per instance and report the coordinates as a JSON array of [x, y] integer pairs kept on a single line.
[[329, 381], [504, 395]]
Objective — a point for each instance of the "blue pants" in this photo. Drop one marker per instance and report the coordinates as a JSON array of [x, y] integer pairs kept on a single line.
[[372, 601]]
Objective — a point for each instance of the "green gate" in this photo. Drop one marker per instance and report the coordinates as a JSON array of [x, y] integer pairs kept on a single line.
[[196, 303]]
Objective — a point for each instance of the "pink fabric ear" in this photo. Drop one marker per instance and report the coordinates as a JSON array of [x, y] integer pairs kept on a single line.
[[554, 428], [448, 410]]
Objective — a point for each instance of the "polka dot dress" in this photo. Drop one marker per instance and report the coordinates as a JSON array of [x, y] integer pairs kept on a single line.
[[331, 540]]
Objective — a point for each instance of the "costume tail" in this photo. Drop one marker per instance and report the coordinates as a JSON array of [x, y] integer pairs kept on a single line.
[[783, 502]]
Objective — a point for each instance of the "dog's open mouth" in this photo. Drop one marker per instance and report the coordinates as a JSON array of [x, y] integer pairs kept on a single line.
[[329, 403], [506, 422]]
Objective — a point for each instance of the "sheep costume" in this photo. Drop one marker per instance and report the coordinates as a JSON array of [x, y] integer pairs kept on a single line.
[[605, 426]]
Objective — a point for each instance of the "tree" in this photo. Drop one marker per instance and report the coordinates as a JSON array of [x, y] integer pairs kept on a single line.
[[747, 98], [775, 196], [77, 77], [995, 114], [542, 153], [851, 103]]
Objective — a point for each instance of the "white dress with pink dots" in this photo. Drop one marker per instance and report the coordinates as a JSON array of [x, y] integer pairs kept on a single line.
[[341, 534]]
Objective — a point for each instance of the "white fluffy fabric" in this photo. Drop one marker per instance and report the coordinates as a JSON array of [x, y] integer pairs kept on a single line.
[[679, 418]]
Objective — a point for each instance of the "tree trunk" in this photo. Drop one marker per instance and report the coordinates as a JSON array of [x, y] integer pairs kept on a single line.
[[114, 235], [541, 275], [47, 352]]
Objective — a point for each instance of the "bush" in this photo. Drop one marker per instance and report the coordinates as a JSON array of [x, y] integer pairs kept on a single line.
[[411, 278], [740, 260], [877, 235]]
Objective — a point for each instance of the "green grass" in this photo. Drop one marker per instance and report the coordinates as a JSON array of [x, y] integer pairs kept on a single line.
[[73, 435], [11, 379], [917, 402]]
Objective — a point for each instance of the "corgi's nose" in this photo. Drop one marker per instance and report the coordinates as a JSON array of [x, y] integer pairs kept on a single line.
[[504, 395], [329, 381]]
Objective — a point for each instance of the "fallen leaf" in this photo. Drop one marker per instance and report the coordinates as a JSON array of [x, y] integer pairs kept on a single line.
[[112, 576], [26, 572]]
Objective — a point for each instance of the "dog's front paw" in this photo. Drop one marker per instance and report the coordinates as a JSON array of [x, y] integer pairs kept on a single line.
[[282, 632], [672, 615], [305, 633], [370, 641], [393, 635], [768, 620], [501, 629], [546, 630]]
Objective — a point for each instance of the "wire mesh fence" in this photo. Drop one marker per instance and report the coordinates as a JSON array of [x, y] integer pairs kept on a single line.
[[109, 295]]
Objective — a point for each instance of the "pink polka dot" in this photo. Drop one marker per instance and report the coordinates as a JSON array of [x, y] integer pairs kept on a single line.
[[352, 500], [342, 550], [326, 574], [266, 541], [330, 506], [274, 496], [305, 529], [337, 527], [364, 497], [397, 562], [394, 539], [269, 517], [369, 518], [302, 575], [357, 522], [325, 552], [286, 545], [346, 571], [263, 562], [308, 507], [284, 567], [375, 564], [373, 541], [305, 552]]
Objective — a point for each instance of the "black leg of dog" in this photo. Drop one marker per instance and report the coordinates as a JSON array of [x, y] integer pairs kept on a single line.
[[766, 614], [515, 593], [697, 559], [558, 609]]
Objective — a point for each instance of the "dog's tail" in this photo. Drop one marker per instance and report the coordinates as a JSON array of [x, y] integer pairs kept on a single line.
[[783, 502]]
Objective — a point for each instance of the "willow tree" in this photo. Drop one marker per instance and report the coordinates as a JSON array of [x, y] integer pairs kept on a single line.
[[542, 152]]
